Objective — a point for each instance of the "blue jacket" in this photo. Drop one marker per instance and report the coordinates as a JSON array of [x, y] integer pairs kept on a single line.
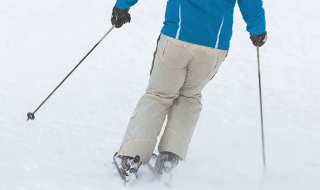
[[207, 22]]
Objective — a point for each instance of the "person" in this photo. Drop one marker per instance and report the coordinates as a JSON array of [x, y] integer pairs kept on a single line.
[[193, 43]]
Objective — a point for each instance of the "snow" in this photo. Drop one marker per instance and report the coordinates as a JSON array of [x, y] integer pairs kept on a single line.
[[71, 142]]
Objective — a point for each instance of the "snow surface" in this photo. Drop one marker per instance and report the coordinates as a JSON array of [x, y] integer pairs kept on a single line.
[[70, 144]]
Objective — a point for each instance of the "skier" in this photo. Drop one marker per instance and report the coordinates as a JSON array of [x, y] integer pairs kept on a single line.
[[193, 43]]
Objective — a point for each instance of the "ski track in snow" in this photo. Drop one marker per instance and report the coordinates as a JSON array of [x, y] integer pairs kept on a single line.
[[71, 142]]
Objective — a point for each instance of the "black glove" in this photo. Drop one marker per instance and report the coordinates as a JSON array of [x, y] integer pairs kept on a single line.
[[259, 40], [120, 17]]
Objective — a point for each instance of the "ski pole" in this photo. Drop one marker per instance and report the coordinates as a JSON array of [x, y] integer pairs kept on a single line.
[[261, 113], [31, 115]]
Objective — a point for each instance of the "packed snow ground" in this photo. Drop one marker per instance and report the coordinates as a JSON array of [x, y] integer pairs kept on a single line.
[[70, 144]]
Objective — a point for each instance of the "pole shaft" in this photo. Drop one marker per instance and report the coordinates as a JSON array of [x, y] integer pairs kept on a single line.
[[73, 70], [261, 112]]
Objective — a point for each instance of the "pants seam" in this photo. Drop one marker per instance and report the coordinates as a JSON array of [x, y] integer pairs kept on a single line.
[[175, 134]]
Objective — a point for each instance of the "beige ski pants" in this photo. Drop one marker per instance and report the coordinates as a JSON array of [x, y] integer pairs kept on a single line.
[[180, 71]]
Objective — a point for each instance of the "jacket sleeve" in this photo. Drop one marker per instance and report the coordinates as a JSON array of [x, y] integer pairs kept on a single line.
[[123, 4], [253, 14]]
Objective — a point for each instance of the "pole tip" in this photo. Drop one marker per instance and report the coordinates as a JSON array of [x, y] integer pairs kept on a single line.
[[30, 116]]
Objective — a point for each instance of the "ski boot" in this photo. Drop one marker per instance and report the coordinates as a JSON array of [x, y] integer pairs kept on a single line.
[[127, 166], [166, 161]]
